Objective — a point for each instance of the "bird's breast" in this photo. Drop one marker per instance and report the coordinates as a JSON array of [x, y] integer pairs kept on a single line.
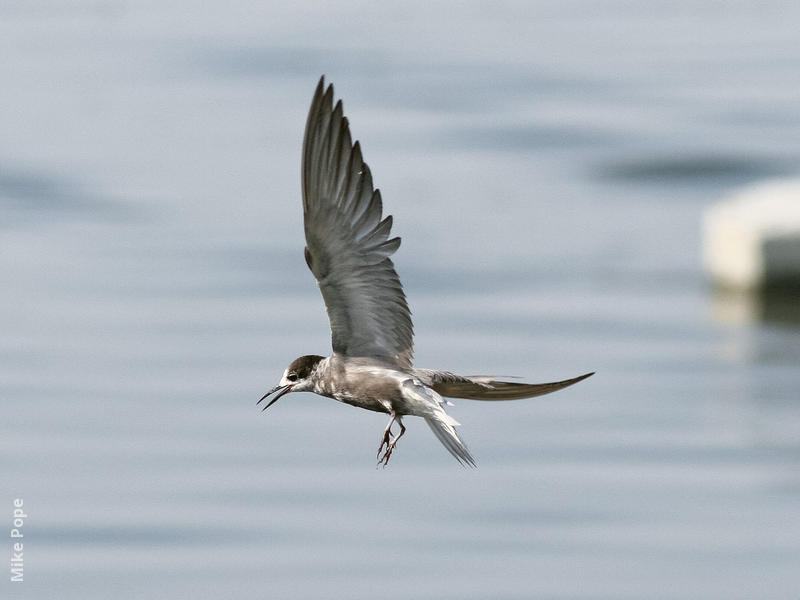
[[369, 387]]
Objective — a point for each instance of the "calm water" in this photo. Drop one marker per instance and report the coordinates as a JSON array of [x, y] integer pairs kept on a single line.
[[547, 167]]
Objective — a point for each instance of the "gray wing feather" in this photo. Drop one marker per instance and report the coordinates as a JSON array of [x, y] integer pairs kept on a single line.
[[347, 241], [451, 385]]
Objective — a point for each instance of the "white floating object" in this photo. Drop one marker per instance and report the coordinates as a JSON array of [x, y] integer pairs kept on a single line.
[[752, 239]]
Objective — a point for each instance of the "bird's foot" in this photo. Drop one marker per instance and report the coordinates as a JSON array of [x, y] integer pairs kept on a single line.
[[386, 442], [389, 441], [384, 460]]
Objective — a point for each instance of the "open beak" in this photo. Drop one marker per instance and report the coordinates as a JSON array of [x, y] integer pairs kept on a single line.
[[284, 389]]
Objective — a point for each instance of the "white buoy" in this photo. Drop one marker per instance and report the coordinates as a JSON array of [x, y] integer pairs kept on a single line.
[[751, 240]]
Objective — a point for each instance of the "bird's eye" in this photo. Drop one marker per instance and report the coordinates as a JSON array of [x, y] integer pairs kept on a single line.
[[292, 377]]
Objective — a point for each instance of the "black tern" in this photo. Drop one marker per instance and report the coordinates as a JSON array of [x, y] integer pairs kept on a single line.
[[348, 249]]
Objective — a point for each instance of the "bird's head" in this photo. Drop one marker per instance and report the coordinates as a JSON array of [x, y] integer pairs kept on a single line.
[[296, 378]]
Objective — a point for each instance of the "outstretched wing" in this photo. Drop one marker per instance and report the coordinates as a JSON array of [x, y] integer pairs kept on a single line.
[[451, 385], [347, 241]]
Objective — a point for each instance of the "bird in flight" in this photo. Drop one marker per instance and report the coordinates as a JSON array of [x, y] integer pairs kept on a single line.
[[348, 250]]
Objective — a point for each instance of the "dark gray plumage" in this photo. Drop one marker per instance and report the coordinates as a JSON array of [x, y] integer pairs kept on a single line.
[[347, 241], [482, 387]]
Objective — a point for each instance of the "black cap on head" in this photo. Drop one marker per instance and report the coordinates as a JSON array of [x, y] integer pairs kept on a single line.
[[303, 366]]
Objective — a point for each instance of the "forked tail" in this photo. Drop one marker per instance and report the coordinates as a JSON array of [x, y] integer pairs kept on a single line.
[[446, 432], [430, 406]]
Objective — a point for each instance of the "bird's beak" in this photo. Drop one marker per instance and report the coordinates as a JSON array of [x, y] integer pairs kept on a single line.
[[284, 389]]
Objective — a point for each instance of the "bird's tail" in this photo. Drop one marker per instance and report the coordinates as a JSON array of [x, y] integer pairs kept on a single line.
[[443, 425], [444, 429]]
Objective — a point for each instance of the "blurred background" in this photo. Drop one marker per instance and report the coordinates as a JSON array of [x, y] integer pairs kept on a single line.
[[548, 165]]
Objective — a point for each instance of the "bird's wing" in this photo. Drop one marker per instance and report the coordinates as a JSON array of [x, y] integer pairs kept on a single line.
[[485, 388], [347, 241]]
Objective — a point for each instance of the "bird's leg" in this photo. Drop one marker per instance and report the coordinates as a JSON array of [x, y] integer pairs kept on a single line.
[[390, 444], [387, 438], [399, 435]]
